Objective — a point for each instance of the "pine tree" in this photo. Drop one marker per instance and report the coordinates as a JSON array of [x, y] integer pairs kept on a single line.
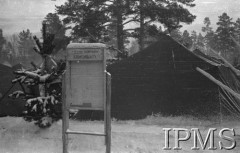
[[187, 41], [25, 44], [200, 41], [55, 26], [236, 38], [91, 18], [236, 34], [210, 38], [207, 24], [194, 39], [177, 35], [168, 13], [224, 31], [14, 39], [2, 42], [41, 86]]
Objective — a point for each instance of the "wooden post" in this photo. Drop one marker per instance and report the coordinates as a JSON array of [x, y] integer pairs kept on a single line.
[[210, 77], [236, 71], [65, 114], [108, 114]]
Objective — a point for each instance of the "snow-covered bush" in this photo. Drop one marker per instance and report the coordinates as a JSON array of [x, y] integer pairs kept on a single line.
[[41, 86]]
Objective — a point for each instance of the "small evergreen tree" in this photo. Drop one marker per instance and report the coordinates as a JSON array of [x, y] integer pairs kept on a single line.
[[41, 86]]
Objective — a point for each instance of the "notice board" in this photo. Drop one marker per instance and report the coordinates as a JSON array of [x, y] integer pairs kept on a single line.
[[85, 76]]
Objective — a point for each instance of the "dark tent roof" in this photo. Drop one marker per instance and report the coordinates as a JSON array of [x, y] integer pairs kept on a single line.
[[210, 59], [167, 50], [161, 78]]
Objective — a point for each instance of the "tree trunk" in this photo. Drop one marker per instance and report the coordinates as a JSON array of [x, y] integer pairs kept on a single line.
[[44, 86], [120, 40], [141, 33]]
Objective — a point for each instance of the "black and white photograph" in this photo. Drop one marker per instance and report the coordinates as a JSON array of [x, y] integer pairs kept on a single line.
[[119, 76]]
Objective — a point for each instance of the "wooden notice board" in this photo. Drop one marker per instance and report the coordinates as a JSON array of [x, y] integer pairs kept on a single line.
[[85, 76], [86, 85]]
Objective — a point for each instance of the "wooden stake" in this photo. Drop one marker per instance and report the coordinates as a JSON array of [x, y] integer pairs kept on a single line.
[[236, 71], [108, 114], [65, 115], [209, 76]]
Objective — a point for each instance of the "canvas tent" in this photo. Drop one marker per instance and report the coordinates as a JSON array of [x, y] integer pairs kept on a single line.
[[228, 80], [163, 78], [8, 106]]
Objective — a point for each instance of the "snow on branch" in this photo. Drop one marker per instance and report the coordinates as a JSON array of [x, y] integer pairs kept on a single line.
[[41, 102], [33, 75], [17, 94]]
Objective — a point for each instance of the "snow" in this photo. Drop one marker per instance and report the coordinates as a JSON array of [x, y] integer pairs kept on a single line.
[[19, 136], [34, 109], [46, 120], [43, 78], [16, 94]]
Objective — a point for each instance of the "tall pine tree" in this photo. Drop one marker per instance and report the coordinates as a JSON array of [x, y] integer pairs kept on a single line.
[[237, 30], [224, 31], [25, 44], [91, 18], [55, 27], [200, 41], [2, 42], [210, 39], [194, 38]]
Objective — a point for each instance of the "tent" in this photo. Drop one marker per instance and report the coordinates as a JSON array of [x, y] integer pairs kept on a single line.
[[228, 80], [163, 78], [8, 106]]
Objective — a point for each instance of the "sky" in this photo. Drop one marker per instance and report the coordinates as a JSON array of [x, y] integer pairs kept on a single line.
[[212, 9], [18, 15]]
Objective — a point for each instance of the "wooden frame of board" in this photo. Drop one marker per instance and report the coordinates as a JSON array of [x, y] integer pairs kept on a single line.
[[86, 86]]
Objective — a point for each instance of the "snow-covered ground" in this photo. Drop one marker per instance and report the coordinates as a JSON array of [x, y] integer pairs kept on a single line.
[[142, 136]]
